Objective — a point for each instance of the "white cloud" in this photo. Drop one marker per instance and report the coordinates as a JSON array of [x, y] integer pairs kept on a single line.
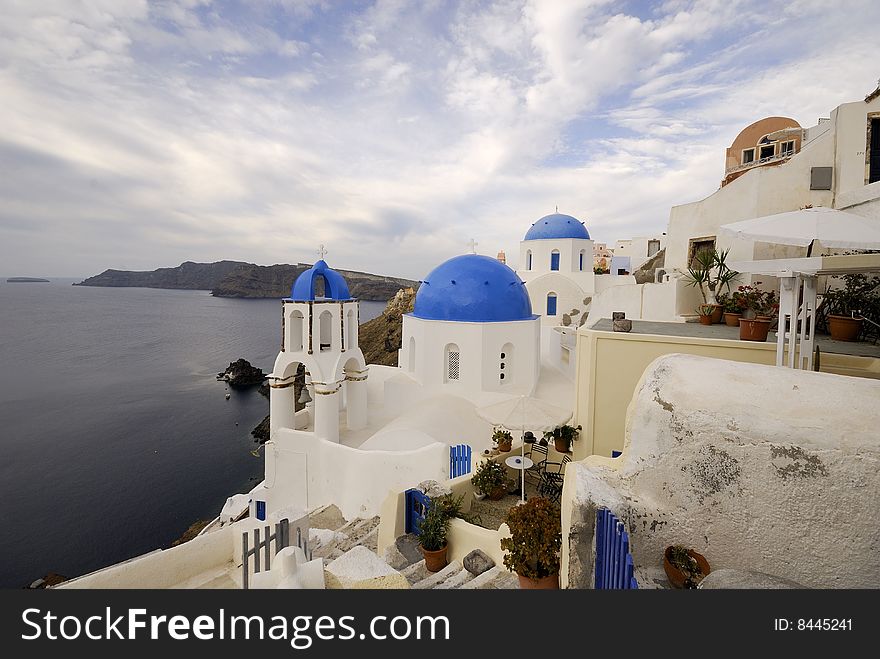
[[136, 135]]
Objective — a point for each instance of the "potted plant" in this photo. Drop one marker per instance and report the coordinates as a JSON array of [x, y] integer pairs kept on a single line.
[[685, 568], [563, 436], [758, 307], [490, 478], [846, 307], [706, 313], [730, 308], [433, 530], [532, 550], [710, 274], [503, 439]]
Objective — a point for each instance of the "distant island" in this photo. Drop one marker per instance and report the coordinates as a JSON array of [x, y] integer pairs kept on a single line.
[[244, 280], [25, 280]]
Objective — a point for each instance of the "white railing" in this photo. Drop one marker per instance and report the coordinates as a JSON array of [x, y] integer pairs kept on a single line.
[[762, 161]]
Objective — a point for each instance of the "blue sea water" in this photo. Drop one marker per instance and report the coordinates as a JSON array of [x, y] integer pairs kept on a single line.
[[115, 435]]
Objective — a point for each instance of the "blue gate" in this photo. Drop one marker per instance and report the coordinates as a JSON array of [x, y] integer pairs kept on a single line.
[[417, 503], [614, 563], [459, 460]]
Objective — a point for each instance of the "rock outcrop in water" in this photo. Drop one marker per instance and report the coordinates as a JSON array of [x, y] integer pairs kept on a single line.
[[239, 279], [240, 373]]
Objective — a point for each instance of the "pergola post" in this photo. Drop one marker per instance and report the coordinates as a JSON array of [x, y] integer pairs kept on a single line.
[[797, 313]]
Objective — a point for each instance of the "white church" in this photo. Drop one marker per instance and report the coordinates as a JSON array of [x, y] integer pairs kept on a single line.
[[474, 338]]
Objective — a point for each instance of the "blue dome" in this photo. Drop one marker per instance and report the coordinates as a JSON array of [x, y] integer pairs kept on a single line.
[[472, 288], [335, 288], [557, 225]]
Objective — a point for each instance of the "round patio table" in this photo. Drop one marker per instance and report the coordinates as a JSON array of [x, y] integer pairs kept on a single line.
[[521, 463]]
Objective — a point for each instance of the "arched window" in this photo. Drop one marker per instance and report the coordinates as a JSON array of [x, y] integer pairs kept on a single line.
[[351, 330], [551, 304], [505, 374], [412, 354], [554, 259], [581, 261], [296, 331], [452, 357], [528, 259], [325, 324]]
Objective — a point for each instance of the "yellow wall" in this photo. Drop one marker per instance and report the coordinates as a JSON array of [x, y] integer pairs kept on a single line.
[[617, 360]]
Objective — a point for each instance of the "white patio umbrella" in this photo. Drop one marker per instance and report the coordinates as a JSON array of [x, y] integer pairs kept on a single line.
[[832, 228], [525, 413]]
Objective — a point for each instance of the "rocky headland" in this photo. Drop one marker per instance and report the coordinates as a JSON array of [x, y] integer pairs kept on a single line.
[[244, 280]]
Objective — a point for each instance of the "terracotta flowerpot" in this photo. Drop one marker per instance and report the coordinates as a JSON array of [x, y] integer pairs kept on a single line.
[[716, 313], [676, 576], [753, 330], [435, 560], [561, 445], [732, 319], [844, 328], [705, 320], [497, 493], [544, 583], [504, 447]]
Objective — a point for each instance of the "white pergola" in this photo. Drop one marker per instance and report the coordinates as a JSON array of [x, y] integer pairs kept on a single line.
[[797, 298]]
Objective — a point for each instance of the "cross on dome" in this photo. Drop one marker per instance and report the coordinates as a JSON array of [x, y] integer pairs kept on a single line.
[[472, 244], [322, 252]]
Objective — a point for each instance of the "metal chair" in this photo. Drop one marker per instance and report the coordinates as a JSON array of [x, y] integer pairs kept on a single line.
[[538, 454], [553, 479]]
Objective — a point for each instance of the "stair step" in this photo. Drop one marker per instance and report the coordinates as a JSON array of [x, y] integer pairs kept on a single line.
[[438, 577], [456, 580], [416, 572], [497, 578]]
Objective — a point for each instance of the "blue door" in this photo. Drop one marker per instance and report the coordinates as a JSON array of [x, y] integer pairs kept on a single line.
[[554, 261], [551, 304]]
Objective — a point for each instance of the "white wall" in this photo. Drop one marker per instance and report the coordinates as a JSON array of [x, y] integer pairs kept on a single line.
[[636, 249], [166, 568], [761, 191], [638, 302], [480, 346], [777, 189], [356, 481]]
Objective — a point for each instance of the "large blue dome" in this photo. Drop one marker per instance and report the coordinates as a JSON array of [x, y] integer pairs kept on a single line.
[[557, 225], [472, 288], [335, 288]]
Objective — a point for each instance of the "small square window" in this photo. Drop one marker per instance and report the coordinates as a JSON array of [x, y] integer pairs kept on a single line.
[[748, 156]]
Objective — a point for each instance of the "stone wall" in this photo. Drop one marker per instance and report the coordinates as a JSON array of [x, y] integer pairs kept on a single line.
[[756, 467]]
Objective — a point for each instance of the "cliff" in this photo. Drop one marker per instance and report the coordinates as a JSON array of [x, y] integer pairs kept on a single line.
[[238, 279], [258, 281], [380, 338], [188, 275]]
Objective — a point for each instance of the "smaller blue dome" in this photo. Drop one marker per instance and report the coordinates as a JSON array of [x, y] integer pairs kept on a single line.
[[475, 289], [335, 288], [557, 225]]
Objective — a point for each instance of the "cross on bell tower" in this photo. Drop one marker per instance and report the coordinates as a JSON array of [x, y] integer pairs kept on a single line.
[[472, 244]]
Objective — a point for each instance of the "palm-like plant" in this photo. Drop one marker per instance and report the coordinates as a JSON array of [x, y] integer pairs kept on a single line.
[[710, 274]]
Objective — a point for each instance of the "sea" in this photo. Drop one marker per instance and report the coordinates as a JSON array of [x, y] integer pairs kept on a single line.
[[115, 435]]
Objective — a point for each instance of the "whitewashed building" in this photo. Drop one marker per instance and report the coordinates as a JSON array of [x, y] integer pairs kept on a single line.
[[556, 264], [472, 330]]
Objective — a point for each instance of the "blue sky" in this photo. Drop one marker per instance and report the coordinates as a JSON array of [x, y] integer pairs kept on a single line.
[[138, 134]]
